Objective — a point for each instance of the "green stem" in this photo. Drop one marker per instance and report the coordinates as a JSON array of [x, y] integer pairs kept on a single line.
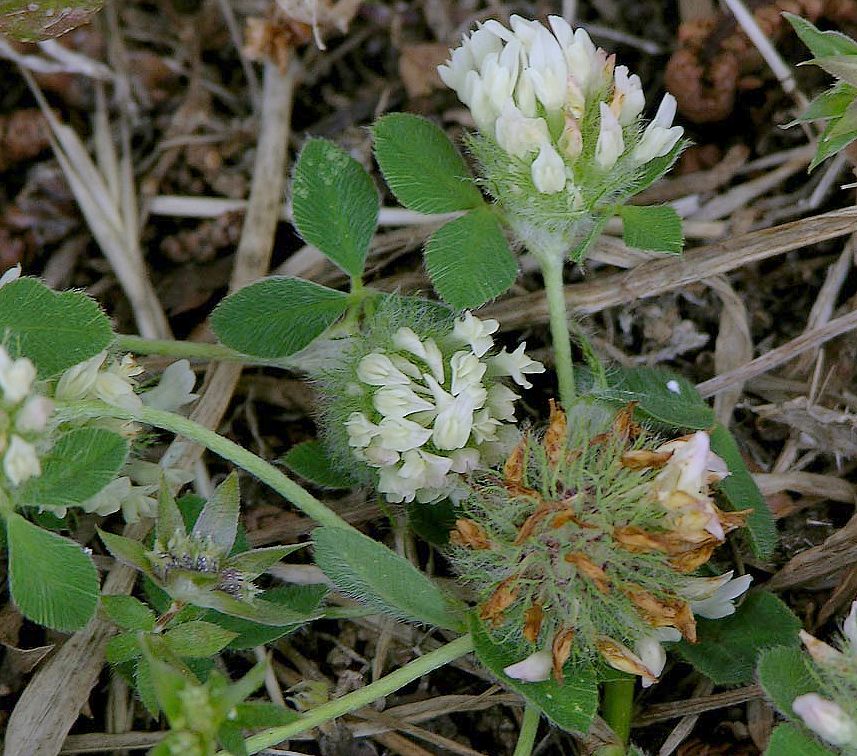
[[364, 696], [529, 728], [616, 708], [227, 449], [192, 350], [552, 274]]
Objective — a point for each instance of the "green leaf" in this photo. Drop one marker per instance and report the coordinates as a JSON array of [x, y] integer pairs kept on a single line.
[[31, 22], [232, 739], [53, 581], [79, 465], [370, 573], [742, 493], [789, 740], [728, 648], [469, 260], [253, 563], [128, 612], [309, 459], [829, 145], [784, 672], [421, 165], [244, 686], [127, 551], [654, 169], [276, 317], [145, 687], [218, 521], [303, 600], [35, 321], [253, 715], [170, 521], [258, 610], [198, 638], [335, 204], [570, 705], [657, 228], [664, 396], [829, 104], [122, 648], [819, 42]]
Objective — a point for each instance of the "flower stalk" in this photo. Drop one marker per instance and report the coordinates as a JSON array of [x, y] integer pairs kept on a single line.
[[364, 696], [256, 466], [560, 336], [529, 728]]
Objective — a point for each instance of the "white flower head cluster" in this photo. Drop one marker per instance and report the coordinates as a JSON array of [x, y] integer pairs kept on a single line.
[[24, 415], [434, 407], [560, 106], [831, 713]]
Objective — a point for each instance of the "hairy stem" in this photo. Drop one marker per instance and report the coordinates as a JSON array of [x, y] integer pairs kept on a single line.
[[560, 336], [529, 728], [616, 708], [227, 449], [191, 350], [364, 696]]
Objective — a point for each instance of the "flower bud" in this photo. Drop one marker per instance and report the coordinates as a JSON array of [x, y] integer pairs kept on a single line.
[[610, 144], [517, 134], [660, 136], [628, 98], [548, 170], [33, 415], [10, 274], [377, 370], [20, 462], [826, 719], [16, 377], [547, 70], [535, 668], [78, 381]]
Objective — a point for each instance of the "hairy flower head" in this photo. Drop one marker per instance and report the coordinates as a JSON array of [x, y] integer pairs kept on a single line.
[[561, 133], [583, 546], [420, 399]]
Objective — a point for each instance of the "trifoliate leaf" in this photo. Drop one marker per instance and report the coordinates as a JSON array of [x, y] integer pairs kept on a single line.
[[570, 705], [53, 581], [54, 330], [276, 317], [310, 460], [80, 464], [335, 204], [656, 228], [728, 648], [469, 260], [421, 165], [370, 573]]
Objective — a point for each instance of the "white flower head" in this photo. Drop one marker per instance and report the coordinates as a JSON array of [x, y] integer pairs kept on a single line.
[[610, 144], [20, 462], [660, 135], [826, 719], [477, 333], [517, 365], [535, 668], [548, 170]]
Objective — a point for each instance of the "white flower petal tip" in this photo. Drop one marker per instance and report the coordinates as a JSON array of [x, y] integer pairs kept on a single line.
[[720, 603], [535, 668], [10, 274], [826, 719]]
